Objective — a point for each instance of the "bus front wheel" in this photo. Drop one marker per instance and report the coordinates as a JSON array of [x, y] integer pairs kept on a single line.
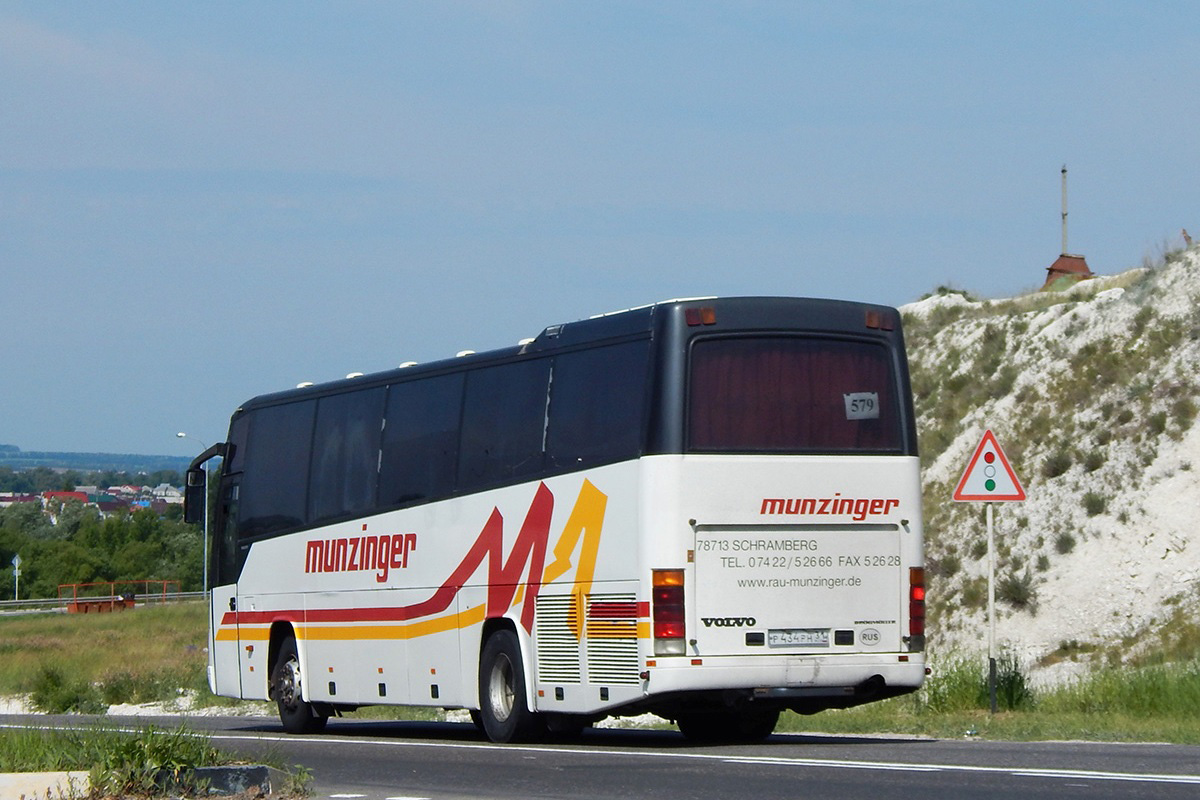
[[503, 711], [287, 686]]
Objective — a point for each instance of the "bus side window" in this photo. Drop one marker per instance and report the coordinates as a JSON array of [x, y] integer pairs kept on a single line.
[[419, 452], [274, 490], [504, 424], [597, 405], [345, 457]]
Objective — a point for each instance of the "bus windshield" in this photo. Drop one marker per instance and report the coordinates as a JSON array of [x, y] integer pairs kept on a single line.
[[792, 394]]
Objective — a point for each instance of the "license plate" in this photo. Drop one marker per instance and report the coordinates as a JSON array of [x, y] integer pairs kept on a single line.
[[802, 637]]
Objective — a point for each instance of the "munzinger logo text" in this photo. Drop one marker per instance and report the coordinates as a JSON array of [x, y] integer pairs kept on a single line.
[[857, 508], [352, 554]]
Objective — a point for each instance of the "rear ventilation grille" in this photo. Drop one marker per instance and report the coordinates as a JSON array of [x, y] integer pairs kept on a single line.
[[556, 619], [612, 639]]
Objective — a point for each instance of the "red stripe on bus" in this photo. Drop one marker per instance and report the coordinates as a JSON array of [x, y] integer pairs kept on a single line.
[[618, 610]]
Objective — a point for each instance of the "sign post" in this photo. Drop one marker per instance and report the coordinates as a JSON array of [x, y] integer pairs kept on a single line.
[[989, 478], [16, 562]]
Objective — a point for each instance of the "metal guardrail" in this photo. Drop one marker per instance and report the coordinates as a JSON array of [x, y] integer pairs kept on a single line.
[[56, 604]]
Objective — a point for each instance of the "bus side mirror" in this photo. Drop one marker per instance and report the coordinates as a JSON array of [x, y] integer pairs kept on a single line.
[[195, 495]]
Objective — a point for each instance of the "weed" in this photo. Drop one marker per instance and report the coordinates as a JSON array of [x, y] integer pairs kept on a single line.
[[1184, 413], [1094, 460], [1012, 688], [954, 686], [1018, 590], [1094, 503], [1056, 464], [1140, 320], [55, 693], [974, 593], [1157, 422], [150, 760]]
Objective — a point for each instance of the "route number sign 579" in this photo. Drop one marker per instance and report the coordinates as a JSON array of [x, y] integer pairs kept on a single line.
[[862, 405]]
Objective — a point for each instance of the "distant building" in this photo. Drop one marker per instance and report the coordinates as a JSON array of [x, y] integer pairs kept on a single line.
[[1066, 271], [65, 496]]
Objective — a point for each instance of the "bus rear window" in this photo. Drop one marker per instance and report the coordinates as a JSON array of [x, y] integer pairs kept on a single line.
[[792, 395]]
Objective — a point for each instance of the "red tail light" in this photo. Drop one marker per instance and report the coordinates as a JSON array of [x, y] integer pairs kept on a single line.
[[668, 612], [916, 608]]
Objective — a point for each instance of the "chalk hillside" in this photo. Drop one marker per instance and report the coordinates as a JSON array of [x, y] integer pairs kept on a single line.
[[1092, 393]]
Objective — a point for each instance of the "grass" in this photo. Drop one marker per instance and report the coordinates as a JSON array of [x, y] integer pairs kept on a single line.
[[84, 660], [1159, 703], [119, 762], [147, 763]]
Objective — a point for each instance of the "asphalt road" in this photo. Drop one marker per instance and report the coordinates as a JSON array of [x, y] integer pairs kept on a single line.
[[442, 761]]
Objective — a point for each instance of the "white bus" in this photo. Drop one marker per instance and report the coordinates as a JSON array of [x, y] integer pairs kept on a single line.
[[706, 509]]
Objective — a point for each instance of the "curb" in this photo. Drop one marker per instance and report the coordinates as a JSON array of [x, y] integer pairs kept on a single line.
[[42, 785], [236, 779], [220, 780]]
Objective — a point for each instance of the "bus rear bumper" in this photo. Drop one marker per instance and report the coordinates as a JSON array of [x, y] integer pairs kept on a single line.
[[798, 682]]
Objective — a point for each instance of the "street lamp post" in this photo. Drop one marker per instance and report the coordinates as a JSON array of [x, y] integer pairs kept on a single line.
[[203, 447]]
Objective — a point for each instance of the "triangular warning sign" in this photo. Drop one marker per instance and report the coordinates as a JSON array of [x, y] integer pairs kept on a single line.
[[988, 477]]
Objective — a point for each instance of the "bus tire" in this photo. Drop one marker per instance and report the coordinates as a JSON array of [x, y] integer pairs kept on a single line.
[[728, 726], [503, 711], [287, 686]]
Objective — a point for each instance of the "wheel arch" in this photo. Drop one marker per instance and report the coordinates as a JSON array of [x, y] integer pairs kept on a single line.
[[281, 629], [524, 641]]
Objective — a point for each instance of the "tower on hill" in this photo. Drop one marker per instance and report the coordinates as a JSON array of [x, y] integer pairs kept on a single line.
[[1067, 269]]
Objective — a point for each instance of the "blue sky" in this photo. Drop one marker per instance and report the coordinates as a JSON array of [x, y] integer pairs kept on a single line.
[[203, 202]]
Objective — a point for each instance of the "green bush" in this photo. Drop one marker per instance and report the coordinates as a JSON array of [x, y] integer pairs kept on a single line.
[[1018, 590], [1064, 543], [1157, 422], [1184, 412], [1012, 689], [54, 693], [128, 687], [953, 686], [974, 593], [1094, 460], [152, 760], [1094, 503], [1056, 464]]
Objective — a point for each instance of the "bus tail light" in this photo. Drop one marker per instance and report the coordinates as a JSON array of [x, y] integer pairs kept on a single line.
[[916, 608], [669, 628]]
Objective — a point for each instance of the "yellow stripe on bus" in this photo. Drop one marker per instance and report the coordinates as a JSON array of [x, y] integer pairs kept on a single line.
[[472, 616], [465, 619]]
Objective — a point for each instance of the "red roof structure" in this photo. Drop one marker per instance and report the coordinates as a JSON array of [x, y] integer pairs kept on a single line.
[[1067, 269]]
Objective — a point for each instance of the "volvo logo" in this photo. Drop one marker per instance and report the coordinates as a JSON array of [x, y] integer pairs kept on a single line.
[[729, 622]]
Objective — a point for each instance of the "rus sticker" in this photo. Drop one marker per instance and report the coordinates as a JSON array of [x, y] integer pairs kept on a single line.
[[862, 405]]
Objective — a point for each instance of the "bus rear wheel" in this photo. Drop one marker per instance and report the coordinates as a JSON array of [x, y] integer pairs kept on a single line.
[[728, 726], [503, 710], [287, 685]]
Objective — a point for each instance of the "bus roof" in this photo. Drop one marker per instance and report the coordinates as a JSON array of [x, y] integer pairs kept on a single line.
[[814, 314]]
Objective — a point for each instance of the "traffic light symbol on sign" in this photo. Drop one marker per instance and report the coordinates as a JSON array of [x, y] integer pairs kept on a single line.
[[989, 477]]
